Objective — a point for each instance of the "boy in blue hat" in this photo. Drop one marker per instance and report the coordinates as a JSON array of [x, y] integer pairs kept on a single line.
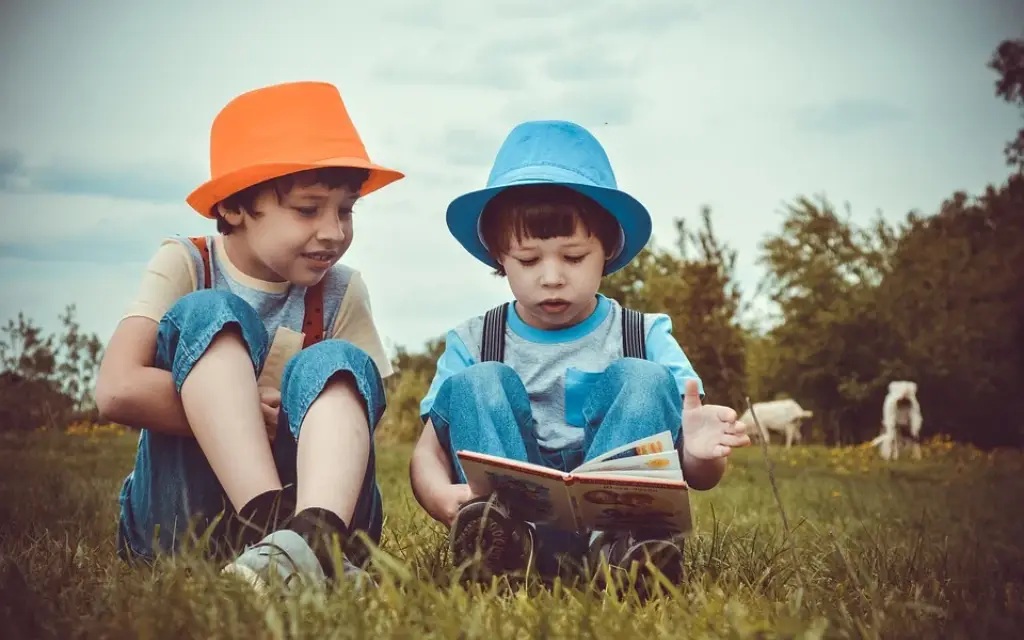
[[562, 374]]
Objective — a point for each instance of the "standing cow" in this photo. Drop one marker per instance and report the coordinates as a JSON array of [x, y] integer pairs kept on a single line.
[[782, 416], [901, 421]]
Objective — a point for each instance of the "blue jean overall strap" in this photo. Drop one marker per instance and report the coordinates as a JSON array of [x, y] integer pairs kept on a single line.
[[492, 348]]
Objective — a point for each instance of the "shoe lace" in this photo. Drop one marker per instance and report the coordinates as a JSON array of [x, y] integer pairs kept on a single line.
[[272, 550]]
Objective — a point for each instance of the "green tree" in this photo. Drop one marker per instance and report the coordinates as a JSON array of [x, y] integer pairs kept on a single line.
[[77, 358], [46, 380], [695, 286], [955, 301], [405, 390], [1008, 61], [824, 350]]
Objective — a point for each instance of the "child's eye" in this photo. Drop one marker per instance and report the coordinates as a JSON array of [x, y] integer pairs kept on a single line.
[[576, 259], [527, 262], [344, 213], [308, 212]]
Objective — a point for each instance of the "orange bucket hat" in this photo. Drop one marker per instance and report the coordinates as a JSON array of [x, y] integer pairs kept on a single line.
[[281, 129]]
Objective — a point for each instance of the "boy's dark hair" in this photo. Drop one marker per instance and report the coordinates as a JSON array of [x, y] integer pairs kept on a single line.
[[331, 177], [542, 212]]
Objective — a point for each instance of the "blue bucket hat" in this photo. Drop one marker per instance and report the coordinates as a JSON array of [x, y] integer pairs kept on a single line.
[[552, 152]]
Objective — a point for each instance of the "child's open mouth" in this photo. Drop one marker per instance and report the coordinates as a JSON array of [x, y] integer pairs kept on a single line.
[[554, 306], [321, 259]]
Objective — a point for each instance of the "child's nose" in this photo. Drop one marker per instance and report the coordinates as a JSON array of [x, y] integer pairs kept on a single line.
[[332, 230], [551, 275]]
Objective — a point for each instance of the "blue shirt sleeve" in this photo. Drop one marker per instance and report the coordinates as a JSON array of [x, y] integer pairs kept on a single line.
[[663, 349], [454, 359]]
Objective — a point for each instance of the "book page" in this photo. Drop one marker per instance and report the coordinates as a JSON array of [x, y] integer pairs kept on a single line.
[[531, 492], [658, 443], [660, 474], [664, 461], [616, 503], [526, 467]]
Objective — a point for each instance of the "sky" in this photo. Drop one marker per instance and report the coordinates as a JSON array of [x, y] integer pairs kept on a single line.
[[741, 105]]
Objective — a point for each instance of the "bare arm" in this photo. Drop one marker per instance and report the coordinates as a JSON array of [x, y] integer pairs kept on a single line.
[[130, 390], [702, 474], [430, 476], [710, 432]]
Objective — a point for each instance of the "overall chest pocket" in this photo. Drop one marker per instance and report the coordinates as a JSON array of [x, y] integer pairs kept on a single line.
[[579, 386]]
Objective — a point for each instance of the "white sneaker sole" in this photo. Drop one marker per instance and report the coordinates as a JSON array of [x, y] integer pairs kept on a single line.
[[246, 575]]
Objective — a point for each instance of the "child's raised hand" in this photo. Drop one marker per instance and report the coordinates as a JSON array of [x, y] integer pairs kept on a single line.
[[710, 431]]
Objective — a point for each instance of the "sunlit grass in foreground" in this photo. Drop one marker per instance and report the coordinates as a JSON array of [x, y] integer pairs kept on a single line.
[[922, 549]]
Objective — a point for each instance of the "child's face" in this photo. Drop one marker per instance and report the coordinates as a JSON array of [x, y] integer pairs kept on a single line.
[[555, 281], [296, 238]]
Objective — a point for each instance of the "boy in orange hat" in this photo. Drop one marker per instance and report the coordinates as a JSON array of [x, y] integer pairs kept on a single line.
[[250, 361]]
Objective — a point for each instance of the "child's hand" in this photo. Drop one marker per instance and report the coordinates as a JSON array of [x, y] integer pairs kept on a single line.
[[710, 432], [449, 500], [270, 404]]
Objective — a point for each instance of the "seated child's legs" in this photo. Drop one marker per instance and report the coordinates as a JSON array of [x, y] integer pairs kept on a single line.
[[485, 408], [172, 486], [559, 552], [332, 398], [633, 399]]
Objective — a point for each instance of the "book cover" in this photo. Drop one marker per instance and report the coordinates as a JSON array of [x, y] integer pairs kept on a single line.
[[638, 485]]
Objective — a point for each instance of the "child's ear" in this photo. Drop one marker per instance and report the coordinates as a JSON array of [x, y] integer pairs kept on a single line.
[[500, 271], [231, 216]]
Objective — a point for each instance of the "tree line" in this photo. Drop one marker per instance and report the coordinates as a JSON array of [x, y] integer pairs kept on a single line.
[[936, 298]]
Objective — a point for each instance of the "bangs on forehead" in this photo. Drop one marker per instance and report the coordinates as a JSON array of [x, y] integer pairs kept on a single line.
[[542, 212], [540, 222], [330, 177]]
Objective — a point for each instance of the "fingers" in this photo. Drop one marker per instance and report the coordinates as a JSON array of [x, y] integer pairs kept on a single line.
[[465, 493], [719, 412], [732, 440], [691, 399], [728, 443], [460, 495], [725, 414], [736, 428], [270, 396], [269, 419], [269, 413]]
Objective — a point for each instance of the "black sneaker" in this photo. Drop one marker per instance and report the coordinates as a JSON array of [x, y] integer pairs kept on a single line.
[[621, 550], [488, 541]]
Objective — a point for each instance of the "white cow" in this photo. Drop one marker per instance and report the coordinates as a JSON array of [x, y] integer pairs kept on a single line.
[[901, 421], [782, 416]]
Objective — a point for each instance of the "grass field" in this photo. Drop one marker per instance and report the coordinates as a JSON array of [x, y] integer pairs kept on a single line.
[[923, 549]]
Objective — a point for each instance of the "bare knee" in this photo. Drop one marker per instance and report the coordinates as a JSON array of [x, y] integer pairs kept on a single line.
[[342, 385], [228, 338]]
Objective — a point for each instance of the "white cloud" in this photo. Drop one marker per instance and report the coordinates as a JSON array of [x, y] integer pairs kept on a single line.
[[108, 101]]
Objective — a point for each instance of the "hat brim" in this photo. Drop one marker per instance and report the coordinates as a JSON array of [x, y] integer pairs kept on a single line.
[[464, 212], [213, 191]]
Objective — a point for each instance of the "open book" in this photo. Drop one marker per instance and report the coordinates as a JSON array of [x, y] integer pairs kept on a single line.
[[638, 485]]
